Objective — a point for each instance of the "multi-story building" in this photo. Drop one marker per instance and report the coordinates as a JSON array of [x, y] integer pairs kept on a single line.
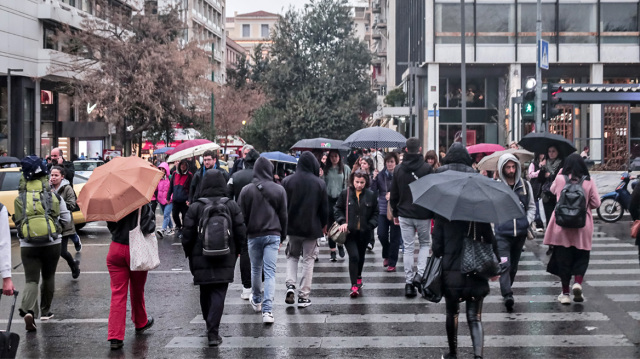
[[251, 29], [234, 53]]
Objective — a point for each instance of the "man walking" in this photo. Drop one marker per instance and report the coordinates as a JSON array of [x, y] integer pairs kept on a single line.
[[236, 183], [57, 159], [511, 235], [410, 217], [264, 206], [240, 163], [308, 209], [209, 161]]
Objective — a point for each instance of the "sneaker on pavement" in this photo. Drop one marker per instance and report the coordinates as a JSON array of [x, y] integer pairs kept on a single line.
[[267, 318], [291, 294], [391, 269], [46, 316], [30, 323], [577, 293], [215, 341], [359, 283], [354, 292], [116, 344], [169, 232], [341, 251], [564, 299], [509, 302], [78, 244], [257, 307], [246, 293], [333, 256], [160, 233], [147, 326], [370, 246], [303, 302], [75, 271], [385, 262]]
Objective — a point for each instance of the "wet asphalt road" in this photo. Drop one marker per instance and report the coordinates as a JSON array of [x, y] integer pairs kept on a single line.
[[379, 324]]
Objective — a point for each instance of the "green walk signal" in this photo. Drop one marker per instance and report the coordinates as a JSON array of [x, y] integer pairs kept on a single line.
[[528, 108]]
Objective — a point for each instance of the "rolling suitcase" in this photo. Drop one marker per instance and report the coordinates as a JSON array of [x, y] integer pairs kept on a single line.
[[9, 341]]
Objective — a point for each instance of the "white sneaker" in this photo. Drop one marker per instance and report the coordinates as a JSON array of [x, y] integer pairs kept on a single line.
[[564, 299], [256, 307], [246, 293], [577, 293], [267, 318]]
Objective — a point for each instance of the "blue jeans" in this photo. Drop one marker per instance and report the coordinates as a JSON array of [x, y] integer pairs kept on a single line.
[[264, 250], [166, 212]]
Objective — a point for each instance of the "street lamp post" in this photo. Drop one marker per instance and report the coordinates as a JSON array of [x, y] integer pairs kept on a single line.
[[9, 71], [213, 100]]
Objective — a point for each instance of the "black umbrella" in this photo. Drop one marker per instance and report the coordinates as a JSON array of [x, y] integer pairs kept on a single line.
[[319, 143], [4, 160], [463, 196], [540, 143], [375, 137]]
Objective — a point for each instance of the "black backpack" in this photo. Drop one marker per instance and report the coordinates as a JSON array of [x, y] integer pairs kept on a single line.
[[571, 209], [214, 227]]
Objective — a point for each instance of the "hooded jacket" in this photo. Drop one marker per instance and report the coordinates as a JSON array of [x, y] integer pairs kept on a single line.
[[164, 184], [457, 159], [180, 182], [522, 188], [307, 203], [68, 195], [242, 177], [412, 167], [210, 270], [264, 203], [196, 187]]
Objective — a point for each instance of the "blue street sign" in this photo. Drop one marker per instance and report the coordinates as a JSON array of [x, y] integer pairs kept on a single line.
[[543, 55]]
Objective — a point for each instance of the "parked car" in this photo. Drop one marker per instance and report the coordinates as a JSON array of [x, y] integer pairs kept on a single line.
[[85, 168], [9, 182]]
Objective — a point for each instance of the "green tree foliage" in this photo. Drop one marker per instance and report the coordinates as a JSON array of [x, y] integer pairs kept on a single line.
[[316, 78]]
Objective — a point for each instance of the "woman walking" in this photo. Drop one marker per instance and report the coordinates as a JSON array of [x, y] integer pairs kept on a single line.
[[363, 218], [63, 188], [122, 278], [388, 232], [166, 205], [336, 175], [431, 158], [536, 181], [548, 171], [179, 189], [571, 246]]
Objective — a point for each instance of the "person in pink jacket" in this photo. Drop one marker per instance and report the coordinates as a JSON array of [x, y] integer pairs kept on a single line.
[[571, 246], [165, 206]]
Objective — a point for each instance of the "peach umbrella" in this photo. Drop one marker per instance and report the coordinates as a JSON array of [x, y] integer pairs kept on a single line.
[[118, 188]]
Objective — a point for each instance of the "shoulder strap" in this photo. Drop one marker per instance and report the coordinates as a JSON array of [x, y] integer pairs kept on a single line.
[[266, 198]]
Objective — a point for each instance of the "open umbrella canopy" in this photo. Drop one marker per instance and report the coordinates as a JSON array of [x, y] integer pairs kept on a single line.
[[6, 160], [279, 157], [490, 163], [319, 143], [540, 143], [487, 148], [187, 144], [463, 196], [162, 150], [118, 188], [193, 151], [375, 137]]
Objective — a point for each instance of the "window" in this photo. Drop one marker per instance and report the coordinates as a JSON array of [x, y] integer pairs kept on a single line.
[[246, 30], [448, 24], [49, 37], [10, 181], [527, 23], [495, 23], [577, 23], [264, 30], [29, 121], [619, 23], [451, 94]]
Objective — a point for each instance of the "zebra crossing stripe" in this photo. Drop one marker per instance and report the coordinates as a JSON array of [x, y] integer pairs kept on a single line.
[[344, 300], [635, 315], [624, 297], [346, 342], [380, 273]]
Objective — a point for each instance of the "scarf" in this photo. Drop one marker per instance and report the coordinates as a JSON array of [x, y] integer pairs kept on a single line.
[[553, 166]]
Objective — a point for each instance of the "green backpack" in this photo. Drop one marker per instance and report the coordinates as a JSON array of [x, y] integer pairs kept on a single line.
[[36, 211]]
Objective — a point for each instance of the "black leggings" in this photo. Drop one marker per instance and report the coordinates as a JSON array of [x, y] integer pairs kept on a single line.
[[474, 319], [64, 253], [356, 246], [178, 209]]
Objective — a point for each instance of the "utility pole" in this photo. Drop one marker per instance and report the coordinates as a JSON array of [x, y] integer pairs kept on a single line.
[[463, 73], [538, 106], [9, 134], [213, 99]]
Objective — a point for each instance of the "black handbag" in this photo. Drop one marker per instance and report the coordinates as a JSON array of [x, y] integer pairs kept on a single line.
[[478, 258], [431, 285]]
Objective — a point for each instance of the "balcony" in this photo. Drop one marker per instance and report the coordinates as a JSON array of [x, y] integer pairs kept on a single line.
[[62, 13], [375, 7]]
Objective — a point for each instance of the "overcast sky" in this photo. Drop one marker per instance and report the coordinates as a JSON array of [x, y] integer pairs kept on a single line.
[[274, 6]]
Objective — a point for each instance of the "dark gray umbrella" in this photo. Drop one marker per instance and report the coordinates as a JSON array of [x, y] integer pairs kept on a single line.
[[8, 159], [540, 143], [462, 196], [375, 137], [319, 143]]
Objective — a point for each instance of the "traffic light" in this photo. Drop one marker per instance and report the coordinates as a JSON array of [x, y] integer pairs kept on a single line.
[[529, 101], [553, 99]]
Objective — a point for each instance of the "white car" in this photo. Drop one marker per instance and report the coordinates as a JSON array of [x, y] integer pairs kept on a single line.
[[85, 168]]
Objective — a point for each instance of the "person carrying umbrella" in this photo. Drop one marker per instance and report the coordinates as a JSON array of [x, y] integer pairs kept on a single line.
[[511, 235], [536, 181], [336, 176], [388, 232]]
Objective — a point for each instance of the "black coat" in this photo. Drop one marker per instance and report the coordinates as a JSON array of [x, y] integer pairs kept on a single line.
[[447, 243], [412, 167], [209, 270], [634, 208], [364, 211], [242, 176], [195, 189], [457, 159], [307, 202], [120, 230]]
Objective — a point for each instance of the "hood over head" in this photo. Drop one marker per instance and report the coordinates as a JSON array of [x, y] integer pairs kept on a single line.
[[251, 158], [213, 184], [308, 163], [263, 170], [457, 153], [502, 161], [180, 165], [165, 166]]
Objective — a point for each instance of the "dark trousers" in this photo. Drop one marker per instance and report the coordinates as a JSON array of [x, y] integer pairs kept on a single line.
[[549, 207], [179, 208], [39, 261], [212, 304], [154, 206], [510, 248], [245, 269], [64, 253], [390, 237], [356, 246], [474, 319], [332, 204]]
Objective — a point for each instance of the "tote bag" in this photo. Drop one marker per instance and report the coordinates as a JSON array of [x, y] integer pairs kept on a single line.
[[143, 249], [478, 258], [334, 232], [431, 286]]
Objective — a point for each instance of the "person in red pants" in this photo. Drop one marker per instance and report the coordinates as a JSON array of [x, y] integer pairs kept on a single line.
[[122, 277]]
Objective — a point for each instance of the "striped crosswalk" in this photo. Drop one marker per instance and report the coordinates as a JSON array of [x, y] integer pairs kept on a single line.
[[383, 319]]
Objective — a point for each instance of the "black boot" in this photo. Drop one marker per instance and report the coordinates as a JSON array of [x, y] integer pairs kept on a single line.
[[410, 291], [474, 315]]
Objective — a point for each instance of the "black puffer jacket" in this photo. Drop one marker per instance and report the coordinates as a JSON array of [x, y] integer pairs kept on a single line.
[[307, 201], [120, 230], [209, 270], [412, 167], [364, 211], [457, 159]]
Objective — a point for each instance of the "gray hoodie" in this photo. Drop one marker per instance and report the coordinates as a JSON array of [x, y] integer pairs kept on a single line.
[[522, 188]]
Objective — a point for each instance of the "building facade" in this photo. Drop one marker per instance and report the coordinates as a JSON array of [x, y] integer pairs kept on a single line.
[[252, 29], [234, 53]]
